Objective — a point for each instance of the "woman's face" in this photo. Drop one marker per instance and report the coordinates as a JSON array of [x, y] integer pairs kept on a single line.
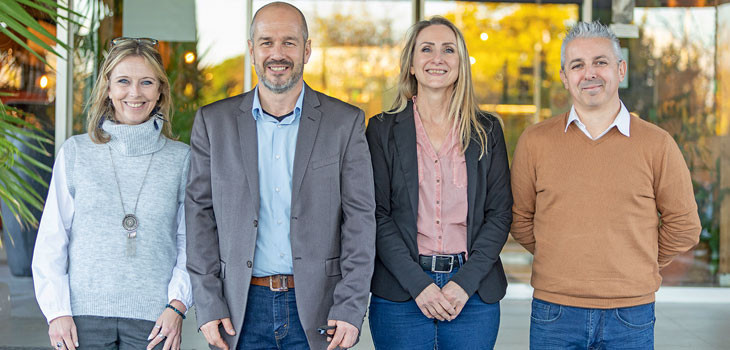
[[435, 58], [134, 90]]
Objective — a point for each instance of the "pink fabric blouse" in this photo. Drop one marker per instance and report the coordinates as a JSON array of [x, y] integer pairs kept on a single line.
[[442, 199]]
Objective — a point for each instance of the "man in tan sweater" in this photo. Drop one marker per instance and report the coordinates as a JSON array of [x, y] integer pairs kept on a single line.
[[604, 201]]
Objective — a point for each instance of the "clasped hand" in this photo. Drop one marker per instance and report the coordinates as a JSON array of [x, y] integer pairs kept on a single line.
[[443, 304]]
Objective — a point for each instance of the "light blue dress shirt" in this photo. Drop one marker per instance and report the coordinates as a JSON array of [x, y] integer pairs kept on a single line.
[[276, 145]]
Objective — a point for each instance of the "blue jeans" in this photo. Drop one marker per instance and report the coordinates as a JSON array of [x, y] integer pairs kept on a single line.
[[556, 326], [402, 325], [271, 321]]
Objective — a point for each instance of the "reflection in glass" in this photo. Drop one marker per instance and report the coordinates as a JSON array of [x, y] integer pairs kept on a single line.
[[672, 84]]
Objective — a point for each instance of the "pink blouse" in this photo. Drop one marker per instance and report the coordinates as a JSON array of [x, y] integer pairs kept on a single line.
[[442, 199]]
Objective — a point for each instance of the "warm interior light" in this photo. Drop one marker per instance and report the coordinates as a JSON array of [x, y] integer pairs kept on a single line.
[[484, 36], [189, 57], [472, 60], [43, 82], [509, 109]]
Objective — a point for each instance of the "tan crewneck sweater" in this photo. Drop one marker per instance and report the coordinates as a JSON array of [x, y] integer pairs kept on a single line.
[[589, 211]]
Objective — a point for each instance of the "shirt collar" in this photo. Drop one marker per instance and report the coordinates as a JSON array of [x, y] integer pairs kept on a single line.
[[622, 121], [258, 112]]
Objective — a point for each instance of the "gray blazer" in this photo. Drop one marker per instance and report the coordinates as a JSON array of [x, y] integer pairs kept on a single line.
[[332, 227]]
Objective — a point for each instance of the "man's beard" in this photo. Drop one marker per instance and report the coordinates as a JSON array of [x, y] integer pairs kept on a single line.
[[296, 74]]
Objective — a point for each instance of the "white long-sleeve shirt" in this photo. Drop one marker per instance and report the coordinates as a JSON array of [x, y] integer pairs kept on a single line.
[[50, 256]]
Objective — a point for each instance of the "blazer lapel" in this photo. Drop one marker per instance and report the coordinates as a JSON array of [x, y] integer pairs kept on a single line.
[[404, 133], [249, 147], [308, 127], [472, 170]]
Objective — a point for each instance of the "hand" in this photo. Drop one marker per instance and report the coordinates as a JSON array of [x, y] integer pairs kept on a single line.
[[344, 336], [168, 327], [433, 304], [456, 296], [63, 330], [213, 336]]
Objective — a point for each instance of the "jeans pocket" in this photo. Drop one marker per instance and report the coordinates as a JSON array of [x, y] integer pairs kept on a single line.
[[545, 312], [641, 316]]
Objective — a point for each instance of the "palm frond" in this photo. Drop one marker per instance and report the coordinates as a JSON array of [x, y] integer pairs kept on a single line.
[[19, 170]]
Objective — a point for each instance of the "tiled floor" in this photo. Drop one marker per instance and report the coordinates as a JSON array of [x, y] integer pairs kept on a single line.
[[687, 318]]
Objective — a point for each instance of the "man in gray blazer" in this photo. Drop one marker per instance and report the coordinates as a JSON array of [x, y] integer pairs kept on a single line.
[[280, 205]]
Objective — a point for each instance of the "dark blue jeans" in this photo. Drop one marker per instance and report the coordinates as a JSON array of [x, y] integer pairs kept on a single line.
[[556, 326], [402, 325], [271, 321]]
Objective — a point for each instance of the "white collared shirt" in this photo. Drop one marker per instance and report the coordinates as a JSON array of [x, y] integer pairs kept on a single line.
[[622, 122]]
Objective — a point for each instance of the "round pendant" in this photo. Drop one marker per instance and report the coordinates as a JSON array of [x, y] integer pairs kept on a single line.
[[130, 222]]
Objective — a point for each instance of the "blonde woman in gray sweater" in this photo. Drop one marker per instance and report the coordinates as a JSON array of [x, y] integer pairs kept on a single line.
[[109, 261]]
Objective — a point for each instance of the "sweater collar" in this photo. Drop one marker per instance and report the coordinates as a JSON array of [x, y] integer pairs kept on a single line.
[[135, 140]]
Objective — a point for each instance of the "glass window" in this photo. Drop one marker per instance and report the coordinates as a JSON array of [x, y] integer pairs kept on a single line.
[[672, 83], [722, 128]]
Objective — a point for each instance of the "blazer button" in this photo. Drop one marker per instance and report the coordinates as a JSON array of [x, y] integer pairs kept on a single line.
[[255, 223], [249, 264]]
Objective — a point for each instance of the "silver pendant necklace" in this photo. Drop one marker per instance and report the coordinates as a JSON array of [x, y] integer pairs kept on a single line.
[[130, 221]]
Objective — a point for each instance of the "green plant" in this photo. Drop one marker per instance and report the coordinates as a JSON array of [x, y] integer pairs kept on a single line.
[[186, 81], [19, 25]]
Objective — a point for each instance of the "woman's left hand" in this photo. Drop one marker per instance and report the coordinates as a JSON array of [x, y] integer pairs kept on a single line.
[[168, 328], [455, 295]]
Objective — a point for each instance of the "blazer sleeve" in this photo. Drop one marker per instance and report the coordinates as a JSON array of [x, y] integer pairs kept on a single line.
[[357, 231], [493, 232], [391, 249], [203, 256]]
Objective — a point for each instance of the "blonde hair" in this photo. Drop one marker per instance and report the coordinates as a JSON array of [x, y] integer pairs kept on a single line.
[[463, 109], [100, 106]]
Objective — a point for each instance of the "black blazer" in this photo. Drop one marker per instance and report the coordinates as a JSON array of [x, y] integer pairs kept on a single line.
[[397, 275]]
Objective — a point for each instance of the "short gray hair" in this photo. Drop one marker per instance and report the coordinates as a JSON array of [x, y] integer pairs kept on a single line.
[[305, 30], [590, 30]]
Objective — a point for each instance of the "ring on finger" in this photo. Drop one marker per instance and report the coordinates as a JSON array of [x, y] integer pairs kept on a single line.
[[160, 335], [157, 326], [59, 345]]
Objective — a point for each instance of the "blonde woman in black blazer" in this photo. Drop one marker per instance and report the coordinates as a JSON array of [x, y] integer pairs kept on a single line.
[[415, 305]]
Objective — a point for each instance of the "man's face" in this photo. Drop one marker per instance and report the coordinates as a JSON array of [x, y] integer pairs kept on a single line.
[[278, 49], [592, 73]]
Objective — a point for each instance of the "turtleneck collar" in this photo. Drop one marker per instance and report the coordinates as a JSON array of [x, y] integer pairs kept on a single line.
[[135, 140]]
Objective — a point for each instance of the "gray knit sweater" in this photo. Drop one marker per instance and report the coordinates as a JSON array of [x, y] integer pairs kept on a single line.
[[112, 275]]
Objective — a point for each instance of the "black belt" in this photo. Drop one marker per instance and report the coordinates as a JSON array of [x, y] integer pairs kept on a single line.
[[440, 263]]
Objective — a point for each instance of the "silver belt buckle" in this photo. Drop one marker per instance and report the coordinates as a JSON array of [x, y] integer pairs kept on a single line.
[[283, 279], [433, 263]]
